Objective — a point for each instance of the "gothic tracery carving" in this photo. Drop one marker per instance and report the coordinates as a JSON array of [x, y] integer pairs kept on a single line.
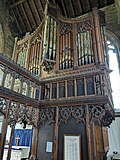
[[101, 114], [47, 114], [65, 28], [76, 112], [96, 112], [84, 26], [3, 106]]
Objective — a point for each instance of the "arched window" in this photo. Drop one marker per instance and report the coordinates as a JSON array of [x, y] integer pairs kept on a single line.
[[114, 65]]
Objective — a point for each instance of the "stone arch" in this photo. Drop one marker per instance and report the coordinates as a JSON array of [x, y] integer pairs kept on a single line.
[[113, 37]]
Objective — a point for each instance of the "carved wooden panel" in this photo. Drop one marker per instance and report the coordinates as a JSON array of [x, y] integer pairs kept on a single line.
[[99, 138], [105, 139], [76, 112]]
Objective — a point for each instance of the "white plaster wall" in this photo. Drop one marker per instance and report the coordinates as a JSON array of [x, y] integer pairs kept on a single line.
[[114, 136]]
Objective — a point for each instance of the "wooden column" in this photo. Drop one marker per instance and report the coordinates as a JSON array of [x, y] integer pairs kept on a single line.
[[98, 35], [75, 83], [66, 94], [35, 139], [88, 130], [21, 85], [95, 53], [93, 141], [13, 82], [4, 130], [56, 136], [57, 49], [3, 78], [34, 143], [57, 89], [11, 141]]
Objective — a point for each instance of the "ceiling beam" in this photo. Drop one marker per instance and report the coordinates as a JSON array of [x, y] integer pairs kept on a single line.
[[40, 8], [30, 15], [85, 6], [21, 22], [18, 13], [72, 8], [81, 7], [94, 3], [88, 5], [18, 25], [36, 10], [64, 8], [17, 3], [25, 15], [17, 21]]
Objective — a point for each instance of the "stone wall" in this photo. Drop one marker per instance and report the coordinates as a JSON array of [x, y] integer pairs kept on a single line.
[[112, 19], [8, 30]]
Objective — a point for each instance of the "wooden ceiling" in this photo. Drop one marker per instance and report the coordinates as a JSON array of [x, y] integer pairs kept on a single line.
[[29, 13]]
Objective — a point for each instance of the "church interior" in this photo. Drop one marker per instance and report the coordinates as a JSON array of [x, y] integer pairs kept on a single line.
[[59, 79]]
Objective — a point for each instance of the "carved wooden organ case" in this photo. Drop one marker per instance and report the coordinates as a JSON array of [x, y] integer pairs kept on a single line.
[[61, 70]]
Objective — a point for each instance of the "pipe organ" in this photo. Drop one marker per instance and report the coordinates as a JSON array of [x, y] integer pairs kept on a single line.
[[22, 55], [34, 56], [66, 49], [84, 48], [61, 71], [49, 43]]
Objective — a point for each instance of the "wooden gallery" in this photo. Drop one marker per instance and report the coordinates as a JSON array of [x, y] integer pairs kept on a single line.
[[57, 81]]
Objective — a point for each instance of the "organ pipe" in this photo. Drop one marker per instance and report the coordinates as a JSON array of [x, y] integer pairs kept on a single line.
[[49, 42]]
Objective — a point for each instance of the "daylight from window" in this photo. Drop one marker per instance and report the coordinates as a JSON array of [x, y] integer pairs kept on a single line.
[[114, 75]]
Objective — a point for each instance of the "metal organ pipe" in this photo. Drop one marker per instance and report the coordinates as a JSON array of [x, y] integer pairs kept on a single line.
[[54, 41]]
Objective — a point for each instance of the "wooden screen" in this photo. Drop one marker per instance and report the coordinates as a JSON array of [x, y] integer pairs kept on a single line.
[[99, 138], [103, 37], [49, 44], [61, 89], [90, 86], [54, 90], [105, 139], [80, 87], [70, 88]]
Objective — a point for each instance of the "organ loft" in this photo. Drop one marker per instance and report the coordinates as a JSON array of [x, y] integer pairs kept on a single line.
[[57, 81]]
